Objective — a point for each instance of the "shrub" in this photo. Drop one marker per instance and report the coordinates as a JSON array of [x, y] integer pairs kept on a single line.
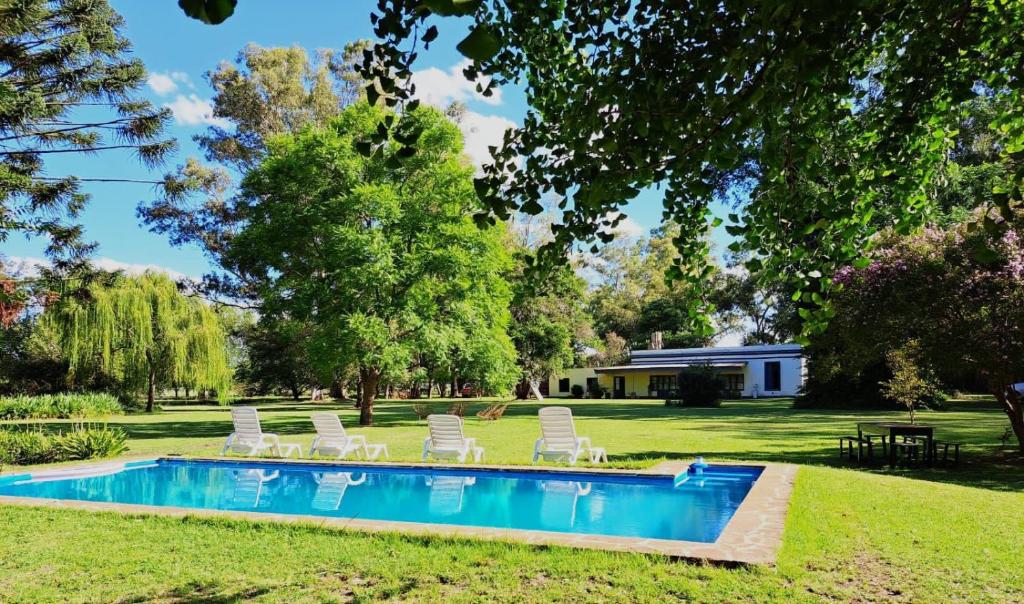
[[28, 447], [699, 389], [421, 410], [577, 391], [912, 384], [91, 442], [594, 390], [59, 406], [457, 408], [25, 447]]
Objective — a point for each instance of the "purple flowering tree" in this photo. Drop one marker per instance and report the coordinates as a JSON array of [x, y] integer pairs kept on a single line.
[[958, 293]]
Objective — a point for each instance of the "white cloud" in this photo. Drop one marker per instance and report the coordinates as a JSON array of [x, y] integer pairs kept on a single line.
[[29, 267], [109, 264], [730, 338], [193, 111], [627, 227], [166, 83], [439, 88], [23, 266], [481, 131]]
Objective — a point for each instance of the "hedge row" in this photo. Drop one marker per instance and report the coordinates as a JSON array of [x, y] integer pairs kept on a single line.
[[59, 406], [29, 447]]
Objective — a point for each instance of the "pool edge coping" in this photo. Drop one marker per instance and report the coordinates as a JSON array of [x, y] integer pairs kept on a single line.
[[753, 536]]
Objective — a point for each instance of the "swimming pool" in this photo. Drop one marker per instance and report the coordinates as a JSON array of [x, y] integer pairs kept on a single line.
[[589, 503]]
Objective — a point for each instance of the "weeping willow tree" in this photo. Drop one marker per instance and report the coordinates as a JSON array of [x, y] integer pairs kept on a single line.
[[143, 333]]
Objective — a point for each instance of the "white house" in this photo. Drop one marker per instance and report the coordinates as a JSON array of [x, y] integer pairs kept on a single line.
[[748, 371]]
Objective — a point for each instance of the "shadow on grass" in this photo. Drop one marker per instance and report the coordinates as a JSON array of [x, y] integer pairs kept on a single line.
[[205, 593]]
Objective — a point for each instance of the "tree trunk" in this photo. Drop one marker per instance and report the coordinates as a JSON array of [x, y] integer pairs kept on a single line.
[[370, 379], [295, 392], [187, 395], [151, 391], [453, 386], [430, 387], [1010, 400], [175, 392]]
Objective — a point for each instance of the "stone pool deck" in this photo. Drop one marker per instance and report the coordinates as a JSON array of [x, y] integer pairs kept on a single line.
[[752, 536]]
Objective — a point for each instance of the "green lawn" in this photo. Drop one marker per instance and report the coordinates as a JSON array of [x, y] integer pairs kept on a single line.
[[852, 534]]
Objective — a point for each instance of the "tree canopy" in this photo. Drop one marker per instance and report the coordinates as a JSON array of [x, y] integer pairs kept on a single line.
[[377, 255], [66, 86], [142, 333], [625, 94], [633, 299], [951, 301]]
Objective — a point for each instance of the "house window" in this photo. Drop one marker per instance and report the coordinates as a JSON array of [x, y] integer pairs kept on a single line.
[[733, 383], [772, 375], [563, 385], [662, 384], [592, 387]]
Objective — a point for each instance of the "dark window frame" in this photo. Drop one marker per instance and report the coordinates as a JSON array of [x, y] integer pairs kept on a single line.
[[733, 382], [663, 383], [772, 376]]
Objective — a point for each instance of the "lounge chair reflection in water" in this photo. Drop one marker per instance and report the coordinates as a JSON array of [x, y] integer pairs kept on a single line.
[[558, 504], [331, 487], [447, 493], [250, 490]]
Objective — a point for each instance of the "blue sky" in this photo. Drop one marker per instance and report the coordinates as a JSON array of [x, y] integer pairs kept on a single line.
[[177, 52]]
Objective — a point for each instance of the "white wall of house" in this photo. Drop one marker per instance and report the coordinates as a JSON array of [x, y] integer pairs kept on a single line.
[[791, 374], [575, 375]]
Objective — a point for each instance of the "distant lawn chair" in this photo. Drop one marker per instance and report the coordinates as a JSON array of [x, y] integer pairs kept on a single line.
[[446, 440], [250, 440], [558, 441], [493, 412], [332, 440]]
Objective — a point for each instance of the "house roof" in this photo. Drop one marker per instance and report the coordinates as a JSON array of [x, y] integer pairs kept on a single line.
[[725, 357], [758, 350], [656, 366]]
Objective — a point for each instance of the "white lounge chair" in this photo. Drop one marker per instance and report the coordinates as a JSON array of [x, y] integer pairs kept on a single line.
[[332, 440], [558, 441], [249, 439], [446, 440]]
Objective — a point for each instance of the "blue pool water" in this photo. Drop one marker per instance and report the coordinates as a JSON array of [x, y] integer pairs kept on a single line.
[[622, 505]]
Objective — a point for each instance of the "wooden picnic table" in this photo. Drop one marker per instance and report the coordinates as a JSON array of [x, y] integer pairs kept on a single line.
[[892, 430]]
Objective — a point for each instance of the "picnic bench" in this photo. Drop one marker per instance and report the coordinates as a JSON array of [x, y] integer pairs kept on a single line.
[[902, 437]]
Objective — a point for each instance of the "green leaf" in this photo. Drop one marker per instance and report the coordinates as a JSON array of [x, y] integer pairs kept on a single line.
[[481, 44], [365, 148], [451, 8], [372, 95], [210, 12]]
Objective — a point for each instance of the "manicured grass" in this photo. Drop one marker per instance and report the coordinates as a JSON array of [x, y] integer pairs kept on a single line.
[[852, 534]]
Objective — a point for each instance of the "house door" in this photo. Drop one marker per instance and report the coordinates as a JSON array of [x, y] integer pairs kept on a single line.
[[619, 386]]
